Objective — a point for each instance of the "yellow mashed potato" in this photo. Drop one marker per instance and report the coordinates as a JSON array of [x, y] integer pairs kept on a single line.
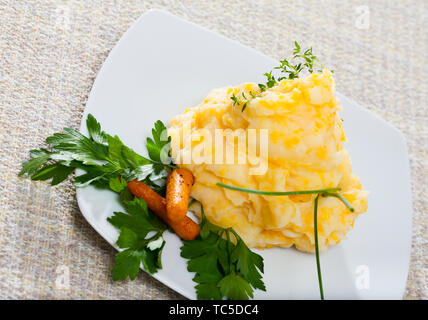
[[305, 151]]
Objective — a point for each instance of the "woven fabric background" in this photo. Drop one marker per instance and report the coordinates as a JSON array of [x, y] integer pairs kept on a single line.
[[51, 51]]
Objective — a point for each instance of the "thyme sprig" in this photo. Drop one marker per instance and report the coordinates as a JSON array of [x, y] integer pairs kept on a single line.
[[244, 100], [304, 60]]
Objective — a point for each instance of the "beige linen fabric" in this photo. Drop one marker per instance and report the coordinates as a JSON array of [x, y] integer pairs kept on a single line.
[[51, 51]]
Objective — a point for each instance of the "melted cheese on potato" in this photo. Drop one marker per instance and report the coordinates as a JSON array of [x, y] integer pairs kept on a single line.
[[306, 151]]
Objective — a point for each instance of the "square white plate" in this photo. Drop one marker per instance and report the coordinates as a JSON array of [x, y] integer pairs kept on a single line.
[[163, 65]]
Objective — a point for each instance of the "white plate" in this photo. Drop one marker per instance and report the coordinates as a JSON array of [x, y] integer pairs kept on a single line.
[[163, 65]]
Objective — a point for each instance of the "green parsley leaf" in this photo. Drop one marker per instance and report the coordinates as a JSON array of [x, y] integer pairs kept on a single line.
[[127, 264], [235, 287], [115, 147], [94, 130], [84, 149], [224, 266], [127, 239], [134, 226], [159, 147], [37, 159], [56, 171], [247, 263], [102, 157], [152, 259], [125, 196], [208, 291], [117, 184], [139, 219], [94, 176]]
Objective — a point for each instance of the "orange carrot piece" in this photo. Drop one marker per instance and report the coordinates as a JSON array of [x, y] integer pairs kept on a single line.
[[185, 228], [178, 186]]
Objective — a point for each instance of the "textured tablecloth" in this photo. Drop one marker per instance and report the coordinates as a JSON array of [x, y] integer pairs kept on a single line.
[[51, 51]]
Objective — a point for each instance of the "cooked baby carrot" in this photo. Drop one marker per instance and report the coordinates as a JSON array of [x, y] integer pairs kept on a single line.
[[154, 201], [178, 187], [185, 228]]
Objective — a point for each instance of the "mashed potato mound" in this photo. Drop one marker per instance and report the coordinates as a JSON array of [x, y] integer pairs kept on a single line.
[[306, 151]]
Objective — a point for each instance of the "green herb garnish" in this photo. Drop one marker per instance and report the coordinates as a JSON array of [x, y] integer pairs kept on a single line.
[[139, 249], [102, 157], [276, 193], [244, 100], [317, 251], [305, 59], [340, 197], [224, 265], [159, 148], [108, 163], [330, 192]]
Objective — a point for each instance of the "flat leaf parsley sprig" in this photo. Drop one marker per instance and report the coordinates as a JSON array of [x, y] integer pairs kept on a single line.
[[134, 227], [108, 163], [101, 156], [224, 265]]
